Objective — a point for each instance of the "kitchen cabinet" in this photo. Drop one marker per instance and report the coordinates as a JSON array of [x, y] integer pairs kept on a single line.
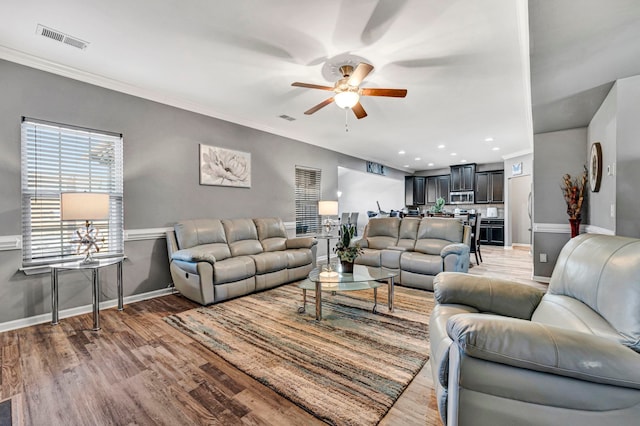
[[438, 187], [463, 177], [492, 232], [414, 190], [490, 187]]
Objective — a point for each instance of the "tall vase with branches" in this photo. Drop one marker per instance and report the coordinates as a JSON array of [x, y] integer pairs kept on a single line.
[[573, 192]]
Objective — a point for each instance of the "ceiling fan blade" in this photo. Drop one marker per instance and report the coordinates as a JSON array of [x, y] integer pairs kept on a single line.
[[319, 106], [359, 111], [311, 86], [394, 93], [360, 73]]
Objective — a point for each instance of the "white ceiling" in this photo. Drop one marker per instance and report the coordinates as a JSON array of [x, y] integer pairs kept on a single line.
[[465, 64]]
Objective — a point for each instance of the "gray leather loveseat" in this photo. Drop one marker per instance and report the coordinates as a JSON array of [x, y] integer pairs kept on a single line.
[[504, 353], [418, 248], [212, 260]]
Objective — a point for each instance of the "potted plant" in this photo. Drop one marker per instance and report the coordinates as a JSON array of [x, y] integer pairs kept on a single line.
[[345, 250], [438, 206]]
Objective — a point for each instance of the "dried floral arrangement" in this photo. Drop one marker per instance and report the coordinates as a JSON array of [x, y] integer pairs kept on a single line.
[[573, 191]]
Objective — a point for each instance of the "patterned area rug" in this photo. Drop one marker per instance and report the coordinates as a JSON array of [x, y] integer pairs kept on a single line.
[[347, 369]]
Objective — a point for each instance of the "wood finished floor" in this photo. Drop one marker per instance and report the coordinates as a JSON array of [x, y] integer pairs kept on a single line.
[[139, 371]]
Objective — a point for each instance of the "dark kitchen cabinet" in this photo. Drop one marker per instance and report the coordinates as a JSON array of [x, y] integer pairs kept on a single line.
[[492, 232], [414, 190], [438, 187], [490, 187], [463, 177]]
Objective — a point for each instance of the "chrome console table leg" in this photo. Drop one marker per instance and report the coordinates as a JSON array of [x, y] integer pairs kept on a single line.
[[96, 299], [54, 296], [390, 301], [120, 289]]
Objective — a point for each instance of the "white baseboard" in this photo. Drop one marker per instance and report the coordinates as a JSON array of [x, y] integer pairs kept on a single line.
[[541, 279], [79, 310]]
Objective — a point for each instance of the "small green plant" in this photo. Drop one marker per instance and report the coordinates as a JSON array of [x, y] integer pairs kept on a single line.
[[438, 206], [345, 251]]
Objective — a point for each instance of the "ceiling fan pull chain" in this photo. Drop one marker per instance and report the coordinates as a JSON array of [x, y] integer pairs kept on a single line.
[[346, 119]]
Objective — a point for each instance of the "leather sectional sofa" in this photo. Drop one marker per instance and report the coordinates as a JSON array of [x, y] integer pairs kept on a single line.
[[418, 248], [504, 353], [212, 260]]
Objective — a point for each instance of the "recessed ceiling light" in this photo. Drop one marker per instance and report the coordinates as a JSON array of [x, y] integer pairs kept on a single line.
[[430, 164], [489, 139], [406, 165], [441, 146], [401, 152], [453, 154], [495, 148], [463, 161], [417, 158]]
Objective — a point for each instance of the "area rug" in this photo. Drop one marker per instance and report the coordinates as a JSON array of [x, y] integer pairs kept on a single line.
[[347, 369]]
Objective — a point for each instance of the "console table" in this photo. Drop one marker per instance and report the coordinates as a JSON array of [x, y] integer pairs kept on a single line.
[[95, 273]]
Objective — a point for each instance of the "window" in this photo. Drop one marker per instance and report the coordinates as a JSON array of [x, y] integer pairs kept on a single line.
[[307, 197], [56, 159]]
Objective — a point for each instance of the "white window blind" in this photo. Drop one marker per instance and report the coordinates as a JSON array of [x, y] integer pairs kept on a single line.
[[58, 158], [307, 197]]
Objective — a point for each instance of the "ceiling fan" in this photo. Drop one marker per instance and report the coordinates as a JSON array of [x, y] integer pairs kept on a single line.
[[347, 90]]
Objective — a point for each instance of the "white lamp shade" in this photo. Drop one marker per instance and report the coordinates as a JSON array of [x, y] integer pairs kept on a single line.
[[346, 99], [327, 208], [84, 206]]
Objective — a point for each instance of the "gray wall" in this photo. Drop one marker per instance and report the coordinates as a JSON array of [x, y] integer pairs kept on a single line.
[[161, 183], [554, 154]]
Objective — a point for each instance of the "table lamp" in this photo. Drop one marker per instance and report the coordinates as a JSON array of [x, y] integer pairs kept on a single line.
[[87, 206], [327, 208]]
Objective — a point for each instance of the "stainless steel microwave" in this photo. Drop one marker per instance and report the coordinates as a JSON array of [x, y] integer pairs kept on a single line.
[[464, 197]]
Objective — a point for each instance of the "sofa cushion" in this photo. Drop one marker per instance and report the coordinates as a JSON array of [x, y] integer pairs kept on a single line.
[[382, 232], [233, 269], [421, 263], [271, 233], [598, 271], [242, 237], [435, 233], [270, 261], [203, 253], [408, 232], [191, 233], [299, 257]]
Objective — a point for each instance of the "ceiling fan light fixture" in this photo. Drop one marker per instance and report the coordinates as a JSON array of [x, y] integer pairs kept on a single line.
[[346, 99]]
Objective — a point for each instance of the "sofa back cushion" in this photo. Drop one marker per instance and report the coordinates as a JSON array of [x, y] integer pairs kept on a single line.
[[242, 237], [602, 272], [191, 233], [382, 232], [408, 232], [434, 233], [271, 233]]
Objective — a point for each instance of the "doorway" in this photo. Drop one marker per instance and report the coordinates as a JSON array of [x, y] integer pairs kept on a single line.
[[520, 209]]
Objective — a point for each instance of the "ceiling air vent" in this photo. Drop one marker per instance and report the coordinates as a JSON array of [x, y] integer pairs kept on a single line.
[[287, 117], [61, 37]]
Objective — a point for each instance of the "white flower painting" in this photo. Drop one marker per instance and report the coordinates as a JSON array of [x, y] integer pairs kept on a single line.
[[226, 167]]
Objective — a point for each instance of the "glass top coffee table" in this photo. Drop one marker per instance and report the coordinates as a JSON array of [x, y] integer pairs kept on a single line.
[[362, 278]]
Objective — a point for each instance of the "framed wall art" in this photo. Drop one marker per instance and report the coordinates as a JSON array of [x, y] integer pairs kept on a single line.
[[224, 167]]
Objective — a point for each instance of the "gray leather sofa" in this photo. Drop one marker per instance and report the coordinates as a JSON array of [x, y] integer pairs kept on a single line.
[[504, 353], [418, 248], [212, 260]]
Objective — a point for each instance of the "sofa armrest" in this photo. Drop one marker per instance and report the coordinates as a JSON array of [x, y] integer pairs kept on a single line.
[[301, 242], [455, 248], [194, 254], [172, 243], [539, 347], [364, 243], [487, 294]]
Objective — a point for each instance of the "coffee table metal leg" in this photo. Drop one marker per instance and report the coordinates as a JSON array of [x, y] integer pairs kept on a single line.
[[303, 308], [375, 300], [96, 300], [318, 301], [390, 282]]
